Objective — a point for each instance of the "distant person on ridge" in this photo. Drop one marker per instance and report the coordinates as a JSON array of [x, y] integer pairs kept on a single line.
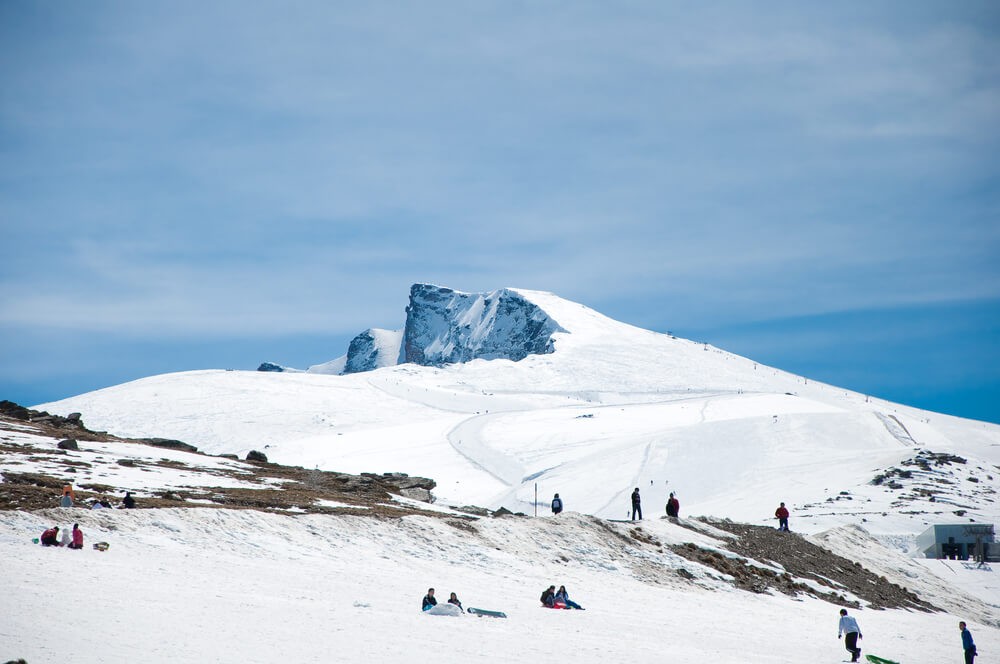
[[454, 600], [428, 600], [673, 506], [849, 628], [556, 504], [636, 504], [782, 514], [968, 645], [128, 502]]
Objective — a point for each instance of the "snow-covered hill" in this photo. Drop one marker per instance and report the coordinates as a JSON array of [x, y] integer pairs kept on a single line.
[[611, 408]]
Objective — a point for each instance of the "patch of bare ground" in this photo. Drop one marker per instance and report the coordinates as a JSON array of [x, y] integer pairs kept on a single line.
[[800, 559]]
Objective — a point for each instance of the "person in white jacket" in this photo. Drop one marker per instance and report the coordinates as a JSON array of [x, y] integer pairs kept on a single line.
[[849, 629]]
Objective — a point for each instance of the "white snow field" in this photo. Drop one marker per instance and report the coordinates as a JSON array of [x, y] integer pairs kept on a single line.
[[613, 408]]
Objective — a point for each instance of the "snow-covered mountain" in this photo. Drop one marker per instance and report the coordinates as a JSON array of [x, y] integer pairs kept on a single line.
[[581, 405]]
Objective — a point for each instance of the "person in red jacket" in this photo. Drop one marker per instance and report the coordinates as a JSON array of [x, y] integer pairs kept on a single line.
[[782, 514], [673, 506], [51, 537], [77, 537]]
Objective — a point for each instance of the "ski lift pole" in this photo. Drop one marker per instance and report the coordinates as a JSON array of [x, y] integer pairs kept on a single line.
[[536, 498]]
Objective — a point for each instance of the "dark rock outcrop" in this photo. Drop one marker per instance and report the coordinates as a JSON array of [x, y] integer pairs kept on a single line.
[[68, 444], [270, 366], [169, 444], [254, 455]]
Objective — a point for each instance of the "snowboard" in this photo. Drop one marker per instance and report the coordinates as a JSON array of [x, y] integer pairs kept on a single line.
[[484, 612], [444, 610], [879, 660]]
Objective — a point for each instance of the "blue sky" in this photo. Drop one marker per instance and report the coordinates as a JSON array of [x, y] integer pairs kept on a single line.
[[190, 185]]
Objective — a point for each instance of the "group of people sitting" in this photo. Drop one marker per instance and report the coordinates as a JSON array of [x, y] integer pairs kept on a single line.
[[69, 496], [430, 601], [51, 537], [558, 599]]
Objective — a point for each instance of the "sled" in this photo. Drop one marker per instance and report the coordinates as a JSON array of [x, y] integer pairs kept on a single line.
[[484, 612], [101, 546], [444, 610], [879, 660]]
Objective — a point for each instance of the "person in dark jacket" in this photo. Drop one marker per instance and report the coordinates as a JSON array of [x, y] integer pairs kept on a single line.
[[673, 506], [563, 596], [429, 600], [782, 515], [556, 504], [51, 537], [636, 504], [549, 597], [128, 502], [454, 600], [968, 645]]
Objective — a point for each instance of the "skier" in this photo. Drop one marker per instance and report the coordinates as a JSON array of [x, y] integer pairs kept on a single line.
[[563, 596], [556, 504], [782, 514], [77, 537], [454, 600], [51, 537], [549, 597], [636, 504], [967, 643], [673, 506], [428, 600], [849, 628]]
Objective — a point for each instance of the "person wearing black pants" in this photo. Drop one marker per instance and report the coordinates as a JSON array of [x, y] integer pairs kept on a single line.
[[849, 628], [968, 645], [636, 504]]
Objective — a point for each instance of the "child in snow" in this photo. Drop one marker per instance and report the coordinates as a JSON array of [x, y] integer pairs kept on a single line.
[[67, 496], [563, 596], [454, 600], [51, 537], [77, 537], [428, 600], [65, 538]]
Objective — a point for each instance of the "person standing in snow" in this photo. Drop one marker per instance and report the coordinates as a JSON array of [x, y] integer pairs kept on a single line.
[[968, 645], [782, 514], [556, 504], [67, 496], [77, 537], [849, 628], [673, 506], [429, 600], [636, 504], [454, 600]]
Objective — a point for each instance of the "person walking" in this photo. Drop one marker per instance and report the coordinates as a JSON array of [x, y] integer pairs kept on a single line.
[[673, 506], [636, 504], [968, 645], [782, 514], [556, 504], [848, 627]]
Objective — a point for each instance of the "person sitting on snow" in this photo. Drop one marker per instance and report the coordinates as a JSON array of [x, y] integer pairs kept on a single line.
[[563, 597], [51, 537], [454, 600], [429, 600], [77, 537], [549, 597]]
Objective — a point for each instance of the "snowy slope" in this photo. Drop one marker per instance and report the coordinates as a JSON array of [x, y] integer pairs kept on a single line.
[[614, 407]]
